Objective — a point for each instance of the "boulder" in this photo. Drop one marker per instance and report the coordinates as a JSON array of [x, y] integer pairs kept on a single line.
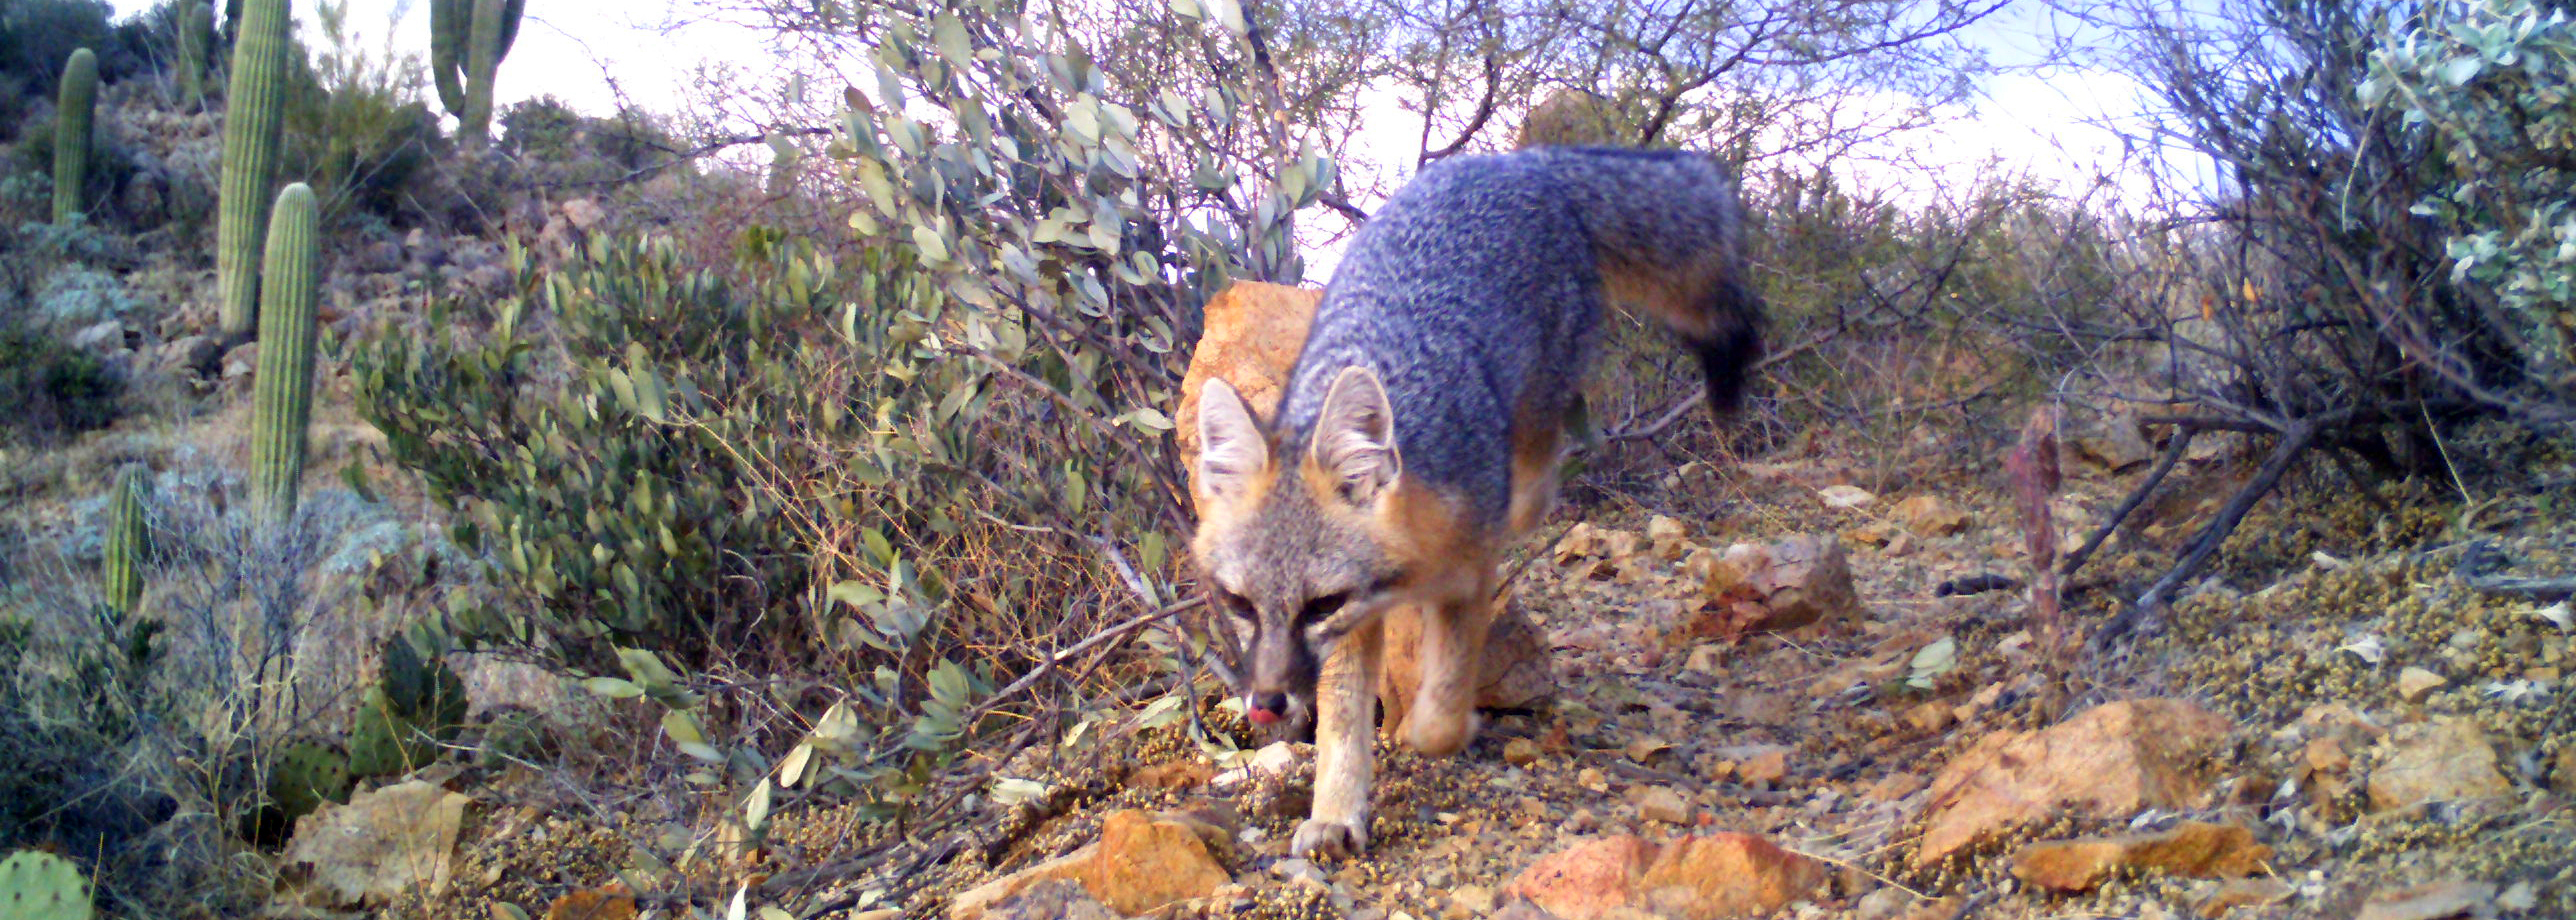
[[1752, 588], [385, 844], [2433, 901], [2107, 762], [1588, 881], [1727, 875], [2447, 759], [1142, 863], [1706, 877]]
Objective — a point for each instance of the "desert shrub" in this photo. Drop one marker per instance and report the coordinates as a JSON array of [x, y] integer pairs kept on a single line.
[[553, 146], [552, 423], [142, 741], [2491, 84], [45, 292], [35, 35], [357, 127]]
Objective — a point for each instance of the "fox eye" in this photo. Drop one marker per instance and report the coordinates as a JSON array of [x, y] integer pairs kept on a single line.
[[1322, 607], [1234, 603]]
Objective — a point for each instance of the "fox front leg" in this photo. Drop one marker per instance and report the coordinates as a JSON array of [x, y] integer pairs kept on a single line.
[[1346, 697], [1443, 716]]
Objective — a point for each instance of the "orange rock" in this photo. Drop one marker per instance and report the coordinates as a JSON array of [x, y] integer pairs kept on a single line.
[[1180, 775], [1145, 863], [1252, 334], [1928, 515], [1727, 875], [1141, 863], [2107, 762], [2444, 760], [2196, 849], [593, 904], [1589, 881]]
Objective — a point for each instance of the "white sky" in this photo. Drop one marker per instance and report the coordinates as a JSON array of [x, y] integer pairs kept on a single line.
[[2045, 124]]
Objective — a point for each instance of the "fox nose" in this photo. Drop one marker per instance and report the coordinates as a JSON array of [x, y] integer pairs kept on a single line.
[[1265, 708]]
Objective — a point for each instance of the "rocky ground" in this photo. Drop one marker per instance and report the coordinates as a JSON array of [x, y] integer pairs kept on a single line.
[[2338, 725]]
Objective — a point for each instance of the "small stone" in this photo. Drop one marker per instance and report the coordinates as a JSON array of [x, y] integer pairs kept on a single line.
[[1896, 786], [1644, 749], [2433, 901], [1845, 496], [2194, 848], [1469, 902], [2414, 684], [2111, 761], [241, 360], [1768, 767], [1520, 752], [2518, 897], [2443, 760], [1180, 775], [1669, 537], [2242, 892], [2562, 772], [2325, 755], [1300, 870], [1706, 658], [1593, 779], [1929, 516], [1930, 716], [1661, 803]]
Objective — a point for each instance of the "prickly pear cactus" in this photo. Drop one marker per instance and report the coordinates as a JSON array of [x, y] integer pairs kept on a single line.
[[427, 690], [36, 885], [383, 741], [73, 116], [121, 574], [254, 116], [305, 775], [281, 396]]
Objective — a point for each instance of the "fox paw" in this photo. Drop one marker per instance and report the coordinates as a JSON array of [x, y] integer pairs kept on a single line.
[[1321, 838]]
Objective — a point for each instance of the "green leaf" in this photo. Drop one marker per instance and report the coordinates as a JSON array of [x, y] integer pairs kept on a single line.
[[2462, 69], [948, 683], [934, 249], [755, 812], [1931, 662], [950, 34], [612, 688]]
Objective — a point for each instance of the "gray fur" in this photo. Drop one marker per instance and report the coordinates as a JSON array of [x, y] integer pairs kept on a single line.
[[1473, 297]]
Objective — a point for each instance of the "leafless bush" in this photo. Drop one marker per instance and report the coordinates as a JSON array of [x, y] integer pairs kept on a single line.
[[2290, 294]]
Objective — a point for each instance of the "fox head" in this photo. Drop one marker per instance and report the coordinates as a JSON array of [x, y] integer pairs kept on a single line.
[[1302, 540]]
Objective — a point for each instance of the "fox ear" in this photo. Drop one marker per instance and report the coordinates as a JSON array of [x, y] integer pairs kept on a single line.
[[1231, 447], [1354, 440]]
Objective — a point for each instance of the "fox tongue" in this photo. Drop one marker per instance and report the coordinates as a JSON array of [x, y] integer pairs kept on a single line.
[[1260, 716]]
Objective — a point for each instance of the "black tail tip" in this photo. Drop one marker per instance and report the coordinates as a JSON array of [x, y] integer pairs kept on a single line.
[[1727, 360]]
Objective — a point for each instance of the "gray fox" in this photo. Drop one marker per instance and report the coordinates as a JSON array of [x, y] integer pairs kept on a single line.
[[1418, 431]]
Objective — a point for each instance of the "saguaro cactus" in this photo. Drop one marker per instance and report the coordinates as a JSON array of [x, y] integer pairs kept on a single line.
[[256, 100], [281, 396], [128, 538], [72, 120], [467, 40], [196, 50]]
